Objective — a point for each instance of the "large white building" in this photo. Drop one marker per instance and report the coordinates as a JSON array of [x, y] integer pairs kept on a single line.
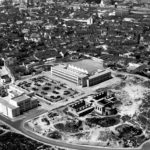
[[83, 73], [88, 21], [17, 102]]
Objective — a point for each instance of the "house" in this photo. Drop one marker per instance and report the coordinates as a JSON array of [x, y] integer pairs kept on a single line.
[[35, 37], [133, 66]]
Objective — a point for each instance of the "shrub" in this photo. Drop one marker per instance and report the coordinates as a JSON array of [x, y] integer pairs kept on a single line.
[[103, 122], [54, 135]]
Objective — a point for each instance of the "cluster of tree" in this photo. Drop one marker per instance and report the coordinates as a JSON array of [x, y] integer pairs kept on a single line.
[[128, 131], [103, 122], [1, 63], [16, 141], [3, 92], [69, 126]]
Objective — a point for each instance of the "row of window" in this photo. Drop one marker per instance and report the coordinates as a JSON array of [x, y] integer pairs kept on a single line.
[[98, 80], [65, 74], [66, 78], [100, 109], [64, 71]]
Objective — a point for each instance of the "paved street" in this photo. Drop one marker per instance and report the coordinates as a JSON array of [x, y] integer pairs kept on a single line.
[[18, 126]]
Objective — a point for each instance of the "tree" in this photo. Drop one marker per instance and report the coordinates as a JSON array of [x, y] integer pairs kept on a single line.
[[3, 44], [3, 92], [7, 3], [1, 62]]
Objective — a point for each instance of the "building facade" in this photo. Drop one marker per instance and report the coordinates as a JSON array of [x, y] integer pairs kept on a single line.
[[8, 109]]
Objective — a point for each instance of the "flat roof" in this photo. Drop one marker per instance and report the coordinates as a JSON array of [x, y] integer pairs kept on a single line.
[[20, 98], [7, 104], [89, 65], [103, 102]]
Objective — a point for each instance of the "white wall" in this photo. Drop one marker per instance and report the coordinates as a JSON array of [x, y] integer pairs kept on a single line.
[[3, 109]]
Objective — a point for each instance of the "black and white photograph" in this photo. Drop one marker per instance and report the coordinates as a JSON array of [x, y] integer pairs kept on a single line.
[[74, 74]]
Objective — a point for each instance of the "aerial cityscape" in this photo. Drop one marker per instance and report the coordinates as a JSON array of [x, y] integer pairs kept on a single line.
[[74, 74]]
